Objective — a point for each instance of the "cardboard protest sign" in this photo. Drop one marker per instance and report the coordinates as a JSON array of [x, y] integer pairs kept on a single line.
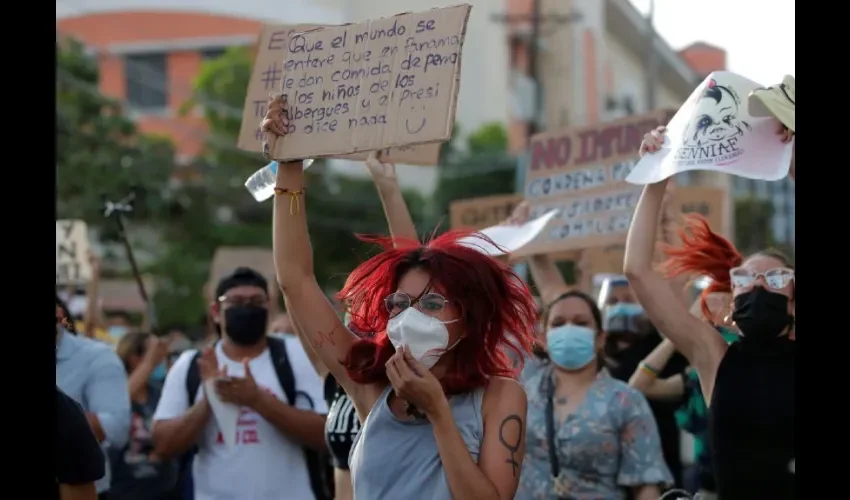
[[72, 252], [379, 84], [608, 259], [266, 78], [713, 130], [707, 201], [478, 213], [582, 172]]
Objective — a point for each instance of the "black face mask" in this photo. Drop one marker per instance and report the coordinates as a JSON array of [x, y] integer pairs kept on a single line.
[[761, 315], [246, 325]]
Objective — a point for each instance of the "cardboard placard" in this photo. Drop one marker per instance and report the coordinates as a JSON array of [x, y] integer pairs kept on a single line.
[[374, 85], [266, 77], [707, 201], [72, 252], [582, 172], [480, 213]]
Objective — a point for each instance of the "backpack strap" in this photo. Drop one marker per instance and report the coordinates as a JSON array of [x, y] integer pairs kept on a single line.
[[318, 464], [193, 378], [282, 367]]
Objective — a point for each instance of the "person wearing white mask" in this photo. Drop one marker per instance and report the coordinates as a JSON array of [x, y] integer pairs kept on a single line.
[[443, 414], [589, 435]]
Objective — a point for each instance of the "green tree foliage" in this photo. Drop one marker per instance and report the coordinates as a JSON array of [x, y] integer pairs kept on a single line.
[[99, 150], [753, 224], [483, 168], [221, 212]]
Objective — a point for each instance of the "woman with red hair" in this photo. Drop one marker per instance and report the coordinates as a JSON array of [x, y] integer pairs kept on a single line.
[[748, 385], [442, 412]]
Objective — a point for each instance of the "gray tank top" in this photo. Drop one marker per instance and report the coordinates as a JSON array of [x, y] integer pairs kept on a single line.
[[395, 459]]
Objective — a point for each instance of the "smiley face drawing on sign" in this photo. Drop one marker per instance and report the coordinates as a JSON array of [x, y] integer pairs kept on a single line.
[[717, 118], [412, 123]]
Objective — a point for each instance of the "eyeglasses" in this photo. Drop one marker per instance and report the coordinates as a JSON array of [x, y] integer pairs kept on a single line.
[[256, 300], [429, 303], [777, 278]]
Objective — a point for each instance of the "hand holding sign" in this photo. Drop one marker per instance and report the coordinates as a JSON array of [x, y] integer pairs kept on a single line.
[[381, 172], [653, 141], [520, 214], [275, 120]]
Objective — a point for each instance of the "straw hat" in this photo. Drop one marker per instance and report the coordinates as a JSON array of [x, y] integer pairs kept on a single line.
[[778, 101]]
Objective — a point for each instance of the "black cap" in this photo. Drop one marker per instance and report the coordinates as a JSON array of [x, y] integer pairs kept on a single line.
[[241, 276]]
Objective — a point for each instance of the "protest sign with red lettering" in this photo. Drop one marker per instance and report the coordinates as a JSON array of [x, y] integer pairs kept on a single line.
[[582, 171]]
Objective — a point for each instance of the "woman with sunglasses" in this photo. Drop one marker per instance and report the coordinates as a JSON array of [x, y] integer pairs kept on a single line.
[[589, 435], [442, 412], [683, 389], [749, 385]]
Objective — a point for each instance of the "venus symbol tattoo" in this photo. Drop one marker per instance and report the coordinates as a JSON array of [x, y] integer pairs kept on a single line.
[[504, 429]]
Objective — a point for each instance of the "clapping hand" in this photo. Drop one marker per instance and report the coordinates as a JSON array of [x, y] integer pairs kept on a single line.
[[242, 391]]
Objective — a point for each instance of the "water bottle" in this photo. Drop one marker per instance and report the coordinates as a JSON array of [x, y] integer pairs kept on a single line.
[[261, 183]]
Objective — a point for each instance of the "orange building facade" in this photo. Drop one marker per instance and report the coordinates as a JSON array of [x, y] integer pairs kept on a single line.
[[149, 61]]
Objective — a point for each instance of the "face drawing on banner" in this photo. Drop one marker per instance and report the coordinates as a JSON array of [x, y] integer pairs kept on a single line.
[[718, 117]]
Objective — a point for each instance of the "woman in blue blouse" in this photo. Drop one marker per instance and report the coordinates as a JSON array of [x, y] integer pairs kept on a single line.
[[589, 436]]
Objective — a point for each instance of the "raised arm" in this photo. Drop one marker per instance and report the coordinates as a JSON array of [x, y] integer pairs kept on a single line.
[[695, 339], [395, 208], [547, 278], [320, 367], [293, 259], [645, 378]]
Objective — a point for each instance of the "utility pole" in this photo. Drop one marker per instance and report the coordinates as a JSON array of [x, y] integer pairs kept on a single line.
[[533, 57], [537, 21], [651, 59]]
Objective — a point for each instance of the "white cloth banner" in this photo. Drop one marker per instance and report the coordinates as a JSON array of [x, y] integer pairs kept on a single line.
[[509, 238], [713, 131]]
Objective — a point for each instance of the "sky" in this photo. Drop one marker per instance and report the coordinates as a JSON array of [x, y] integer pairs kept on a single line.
[[758, 35]]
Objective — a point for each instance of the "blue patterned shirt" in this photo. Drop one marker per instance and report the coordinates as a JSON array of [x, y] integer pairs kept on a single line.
[[609, 444]]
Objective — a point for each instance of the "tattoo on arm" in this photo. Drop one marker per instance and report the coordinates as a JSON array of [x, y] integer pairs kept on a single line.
[[510, 423], [322, 338]]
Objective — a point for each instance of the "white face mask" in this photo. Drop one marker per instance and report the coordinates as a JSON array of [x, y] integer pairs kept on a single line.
[[427, 337]]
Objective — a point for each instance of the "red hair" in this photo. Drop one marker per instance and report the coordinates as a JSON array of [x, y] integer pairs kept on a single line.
[[497, 308], [702, 252]]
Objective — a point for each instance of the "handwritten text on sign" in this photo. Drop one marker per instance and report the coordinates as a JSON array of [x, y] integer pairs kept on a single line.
[[481, 213], [582, 171], [369, 86], [266, 78], [72, 248]]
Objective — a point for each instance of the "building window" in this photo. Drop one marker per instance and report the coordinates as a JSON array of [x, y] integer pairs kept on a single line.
[[210, 54], [147, 82]]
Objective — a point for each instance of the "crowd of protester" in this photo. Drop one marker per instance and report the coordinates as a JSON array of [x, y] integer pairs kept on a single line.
[[440, 377]]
